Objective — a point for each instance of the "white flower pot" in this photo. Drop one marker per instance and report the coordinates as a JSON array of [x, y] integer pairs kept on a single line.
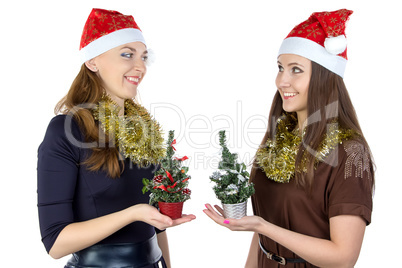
[[235, 211]]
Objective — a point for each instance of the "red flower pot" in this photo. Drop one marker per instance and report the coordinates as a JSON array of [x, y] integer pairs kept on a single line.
[[173, 210]]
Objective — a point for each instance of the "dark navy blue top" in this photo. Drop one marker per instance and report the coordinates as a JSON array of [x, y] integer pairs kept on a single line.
[[68, 192]]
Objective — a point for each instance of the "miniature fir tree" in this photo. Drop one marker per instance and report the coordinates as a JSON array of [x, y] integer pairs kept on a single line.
[[232, 179], [171, 180]]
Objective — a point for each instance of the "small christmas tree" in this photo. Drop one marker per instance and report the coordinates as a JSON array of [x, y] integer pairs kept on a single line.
[[231, 179], [171, 180]]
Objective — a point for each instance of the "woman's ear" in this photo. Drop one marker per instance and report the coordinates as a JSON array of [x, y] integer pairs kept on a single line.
[[91, 65]]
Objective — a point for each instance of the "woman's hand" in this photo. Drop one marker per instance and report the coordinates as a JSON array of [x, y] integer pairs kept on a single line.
[[247, 223], [346, 232], [79, 235], [152, 216]]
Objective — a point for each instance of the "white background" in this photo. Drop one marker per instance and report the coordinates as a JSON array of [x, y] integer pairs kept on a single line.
[[214, 60]]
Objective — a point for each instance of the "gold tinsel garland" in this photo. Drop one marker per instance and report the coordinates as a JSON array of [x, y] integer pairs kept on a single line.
[[277, 159], [137, 134]]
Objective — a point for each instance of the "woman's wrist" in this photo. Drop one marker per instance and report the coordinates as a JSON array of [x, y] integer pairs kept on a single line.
[[134, 213], [259, 225]]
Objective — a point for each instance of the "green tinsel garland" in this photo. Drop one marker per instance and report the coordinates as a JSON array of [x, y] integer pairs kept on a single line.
[[277, 159], [137, 134]]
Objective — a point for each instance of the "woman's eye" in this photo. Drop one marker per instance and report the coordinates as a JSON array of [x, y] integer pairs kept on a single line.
[[280, 68], [297, 70], [127, 55], [145, 58]]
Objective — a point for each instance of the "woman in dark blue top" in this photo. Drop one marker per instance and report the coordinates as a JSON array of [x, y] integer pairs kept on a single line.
[[89, 179]]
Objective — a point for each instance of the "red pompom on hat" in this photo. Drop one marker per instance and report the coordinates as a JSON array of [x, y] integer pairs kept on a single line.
[[321, 39], [107, 29]]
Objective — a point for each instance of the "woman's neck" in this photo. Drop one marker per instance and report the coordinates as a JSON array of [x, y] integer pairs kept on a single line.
[[121, 112], [120, 103], [301, 121]]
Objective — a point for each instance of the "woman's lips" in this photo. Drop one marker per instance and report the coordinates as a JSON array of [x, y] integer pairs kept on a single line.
[[289, 95], [133, 79]]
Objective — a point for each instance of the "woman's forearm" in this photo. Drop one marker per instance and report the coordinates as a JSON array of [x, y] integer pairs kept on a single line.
[[252, 259], [314, 250], [341, 251], [164, 246], [79, 235]]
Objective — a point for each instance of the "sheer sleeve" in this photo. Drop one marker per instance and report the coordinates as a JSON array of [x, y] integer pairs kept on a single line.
[[57, 171]]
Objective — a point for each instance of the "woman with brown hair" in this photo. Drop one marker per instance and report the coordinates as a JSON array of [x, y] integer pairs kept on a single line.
[[95, 154], [313, 173]]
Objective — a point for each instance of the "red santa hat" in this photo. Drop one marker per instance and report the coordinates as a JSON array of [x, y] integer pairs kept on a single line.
[[321, 39], [107, 29]]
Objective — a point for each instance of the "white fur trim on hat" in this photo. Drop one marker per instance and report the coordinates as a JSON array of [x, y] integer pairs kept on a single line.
[[314, 52], [335, 45], [109, 41]]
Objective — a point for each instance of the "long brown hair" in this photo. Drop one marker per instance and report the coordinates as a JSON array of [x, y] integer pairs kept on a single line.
[[327, 98], [85, 90]]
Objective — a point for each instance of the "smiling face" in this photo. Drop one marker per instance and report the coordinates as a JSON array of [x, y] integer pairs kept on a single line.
[[292, 82], [121, 69]]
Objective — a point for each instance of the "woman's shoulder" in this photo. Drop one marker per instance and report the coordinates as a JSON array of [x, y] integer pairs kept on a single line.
[[64, 127], [355, 146], [356, 157], [61, 122]]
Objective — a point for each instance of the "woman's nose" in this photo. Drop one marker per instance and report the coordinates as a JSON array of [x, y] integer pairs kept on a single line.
[[139, 65], [282, 80]]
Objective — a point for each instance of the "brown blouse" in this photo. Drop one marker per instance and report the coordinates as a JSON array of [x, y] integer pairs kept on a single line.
[[342, 186]]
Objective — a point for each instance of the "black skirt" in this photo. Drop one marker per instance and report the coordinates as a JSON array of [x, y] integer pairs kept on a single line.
[[145, 254], [160, 264]]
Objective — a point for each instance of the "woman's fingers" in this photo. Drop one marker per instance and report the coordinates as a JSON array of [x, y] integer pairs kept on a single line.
[[162, 222], [218, 218], [219, 209], [184, 218], [247, 223]]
